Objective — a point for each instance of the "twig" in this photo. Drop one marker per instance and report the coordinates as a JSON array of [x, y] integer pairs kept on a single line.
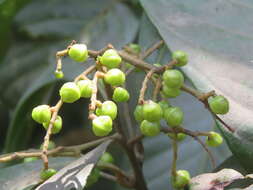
[[174, 159], [150, 50], [58, 151], [49, 131], [86, 72], [135, 140], [157, 88], [108, 176], [144, 86]]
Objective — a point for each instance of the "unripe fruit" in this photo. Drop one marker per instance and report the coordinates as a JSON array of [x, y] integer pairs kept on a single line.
[[174, 116], [110, 58], [45, 174], [93, 177], [58, 74], [85, 87], [164, 104], [150, 128], [108, 108], [51, 145], [138, 113], [219, 104], [170, 92], [136, 48], [181, 179], [41, 114], [152, 111], [181, 57], [102, 125], [178, 136], [120, 95], [70, 92], [78, 52], [214, 140], [106, 158], [30, 159], [115, 77], [173, 78], [57, 126]]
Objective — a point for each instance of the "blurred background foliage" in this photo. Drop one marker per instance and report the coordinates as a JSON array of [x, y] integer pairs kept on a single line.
[[32, 31]]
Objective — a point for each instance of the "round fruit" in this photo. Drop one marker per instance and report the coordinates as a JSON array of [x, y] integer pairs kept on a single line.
[[120, 95], [150, 128], [106, 158], [51, 145], [136, 48], [93, 177], [170, 92], [178, 136], [30, 159], [152, 111], [219, 104], [108, 108], [57, 125], [58, 74], [102, 125], [173, 78], [78, 52], [70, 92], [45, 174], [174, 116], [110, 58], [181, 57], [115, 77], [215, 139], [164, 104], [85, 87], [41, 114], [138, 113], [181, 179]]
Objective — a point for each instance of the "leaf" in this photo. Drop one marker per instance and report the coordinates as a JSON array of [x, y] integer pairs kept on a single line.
[[27, 174], [32, 62], [218, 41], [74, 175], [217, 181]]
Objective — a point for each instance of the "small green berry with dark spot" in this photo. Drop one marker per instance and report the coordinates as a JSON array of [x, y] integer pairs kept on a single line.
[[108, 108], [102, 125], [174, 116], [214, 139], [78, 52], [120, 95], [110, 59], [173, 78], [152, 111], [70, 92], [181, 57], [219, 104], [41, 113], [115, 77], [181, 179], [150, 128]]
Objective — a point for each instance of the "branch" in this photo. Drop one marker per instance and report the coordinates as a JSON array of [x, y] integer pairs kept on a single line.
[[174, 159], [151, 49], [58, 151]]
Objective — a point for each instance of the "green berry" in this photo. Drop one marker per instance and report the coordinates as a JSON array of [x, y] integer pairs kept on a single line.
[[152, 111], [138, 113], [178, 136], [120, 95], [102, 125], [110, 58], [41, 114], [136, 48], [115, 77], [170, 92], [51, 145], [58, 74], [150, 128], [78, 52], [57, 126], [219, 104], [30, 159], [164, 105], [45, 174], [174, 116], [85, 87], [181, 179], [173, 78], [106, 158], [108, 108], [70, 92], [214, 140], [181, 57], [93, 177]]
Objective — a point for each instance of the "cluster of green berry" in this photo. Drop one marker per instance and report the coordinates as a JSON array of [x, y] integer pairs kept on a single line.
[[148, 113]]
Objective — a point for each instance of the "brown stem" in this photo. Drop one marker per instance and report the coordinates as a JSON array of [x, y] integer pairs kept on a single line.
[[86, 72], [174, 159], [150, 50], [157, 88]]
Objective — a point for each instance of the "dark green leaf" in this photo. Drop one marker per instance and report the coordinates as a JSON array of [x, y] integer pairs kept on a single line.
[[217, 36]]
